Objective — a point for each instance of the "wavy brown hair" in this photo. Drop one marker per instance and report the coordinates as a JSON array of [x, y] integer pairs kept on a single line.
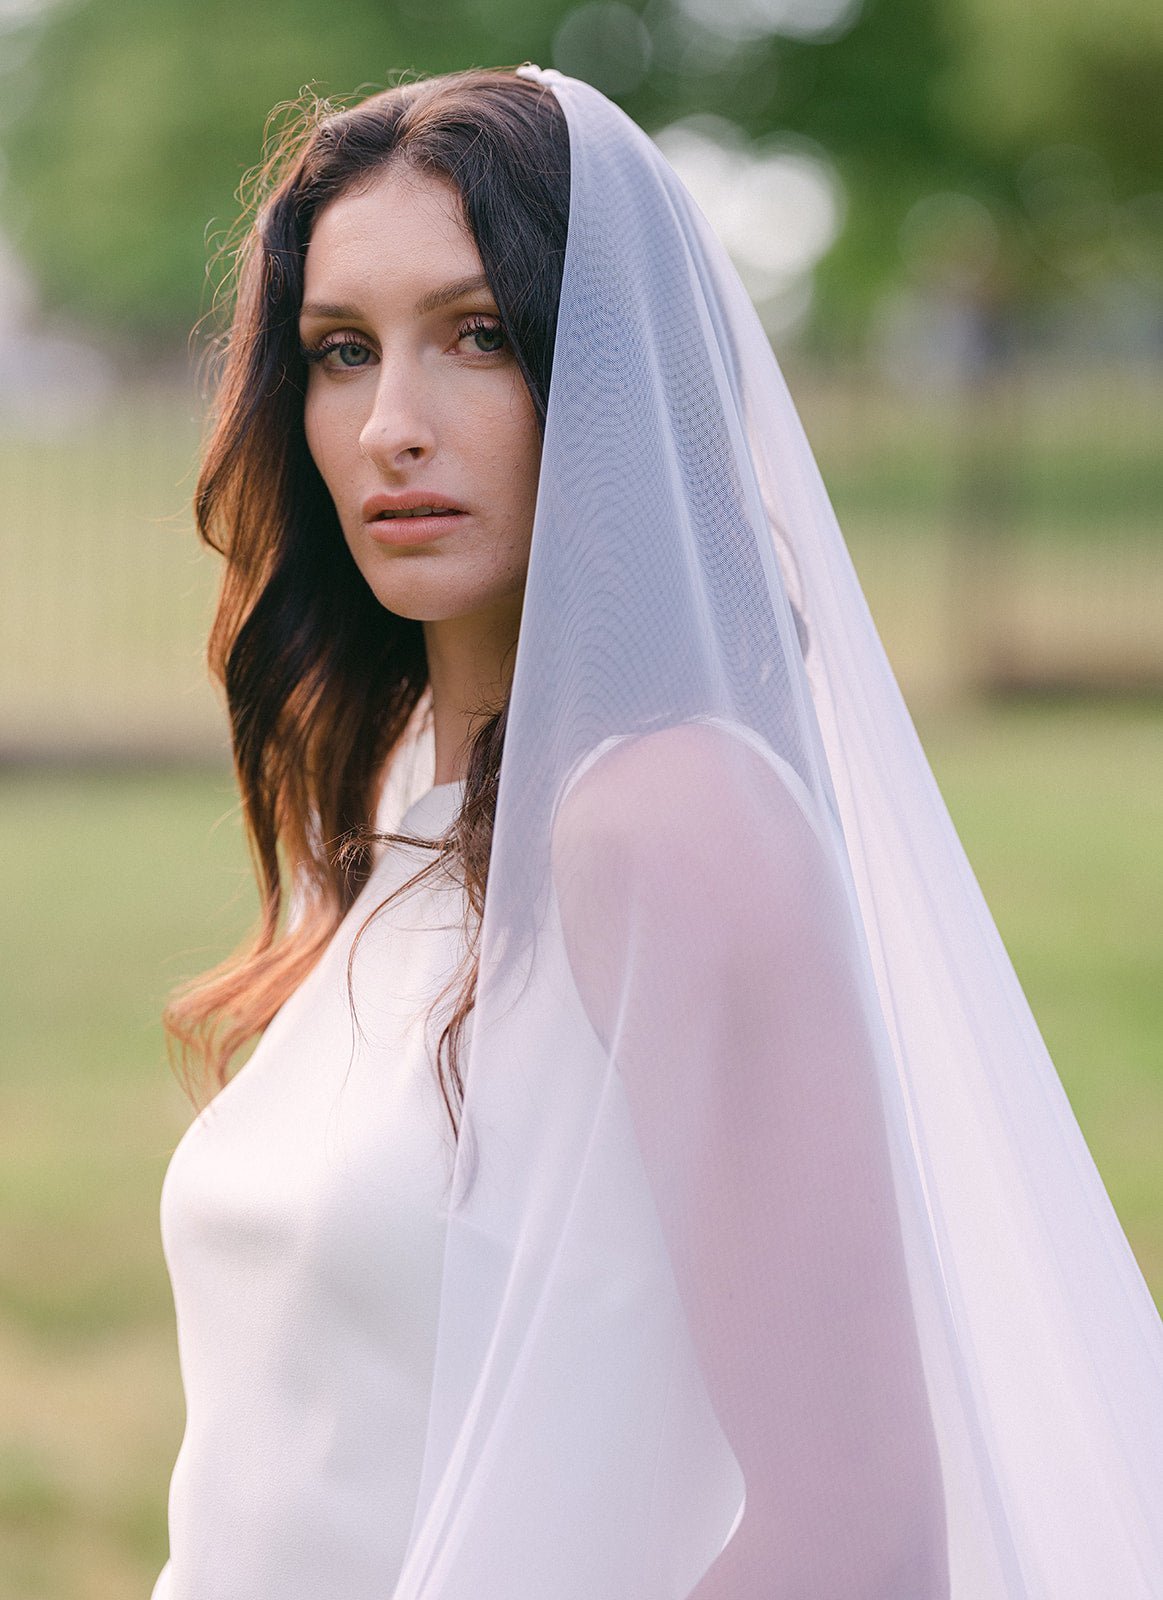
[[321, 680]]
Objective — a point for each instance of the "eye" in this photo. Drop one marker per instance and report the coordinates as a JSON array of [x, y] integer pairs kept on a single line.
[[350, 352], [492, 332]]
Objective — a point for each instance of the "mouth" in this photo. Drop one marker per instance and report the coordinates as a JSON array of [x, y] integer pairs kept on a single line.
[[424, 513], [414, 525]]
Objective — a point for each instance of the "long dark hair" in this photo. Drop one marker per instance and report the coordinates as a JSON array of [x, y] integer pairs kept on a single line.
[[321, 680]]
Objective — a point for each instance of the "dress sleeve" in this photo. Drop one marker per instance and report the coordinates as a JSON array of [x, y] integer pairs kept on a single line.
[[712, 945]]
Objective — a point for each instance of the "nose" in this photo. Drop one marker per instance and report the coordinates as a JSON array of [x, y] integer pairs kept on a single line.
[[399, 430]]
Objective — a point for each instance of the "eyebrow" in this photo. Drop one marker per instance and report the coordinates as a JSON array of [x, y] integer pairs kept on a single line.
[[432, 301]]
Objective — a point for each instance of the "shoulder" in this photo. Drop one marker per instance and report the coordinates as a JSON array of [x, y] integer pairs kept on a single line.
[[705, 788], [706, 843]]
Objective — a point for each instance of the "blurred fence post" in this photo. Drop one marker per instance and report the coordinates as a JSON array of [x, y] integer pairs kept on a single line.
[[986, 494]]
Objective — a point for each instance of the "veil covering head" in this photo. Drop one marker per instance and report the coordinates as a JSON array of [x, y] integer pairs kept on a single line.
[[776, 1262]]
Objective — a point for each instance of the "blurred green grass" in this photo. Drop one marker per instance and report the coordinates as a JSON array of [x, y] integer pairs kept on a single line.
[[119, 883], [116, 884]]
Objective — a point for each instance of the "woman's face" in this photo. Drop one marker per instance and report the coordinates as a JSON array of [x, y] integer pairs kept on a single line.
[[408, 395]]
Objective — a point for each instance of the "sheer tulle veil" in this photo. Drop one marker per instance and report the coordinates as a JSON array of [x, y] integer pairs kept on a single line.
[[776, 1264]]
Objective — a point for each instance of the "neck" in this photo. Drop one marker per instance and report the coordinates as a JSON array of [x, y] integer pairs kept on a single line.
[[470, 670]]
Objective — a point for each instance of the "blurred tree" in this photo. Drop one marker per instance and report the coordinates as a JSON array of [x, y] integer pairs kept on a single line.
[[139, 117], [866, 97], [1048, 114], [1061, 70], [1064, 99]]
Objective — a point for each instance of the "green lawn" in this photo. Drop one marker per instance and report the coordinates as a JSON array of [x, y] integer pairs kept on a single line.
[[117, 884]]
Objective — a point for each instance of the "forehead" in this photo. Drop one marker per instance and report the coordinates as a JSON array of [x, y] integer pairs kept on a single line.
[[398, 231]]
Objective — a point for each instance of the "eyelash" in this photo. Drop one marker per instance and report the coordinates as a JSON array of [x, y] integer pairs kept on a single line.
[[317, 352]]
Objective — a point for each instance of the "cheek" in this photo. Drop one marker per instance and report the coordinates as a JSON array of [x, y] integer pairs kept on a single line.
[[517, 426], [314, 434], [531, 474], [326, 431]]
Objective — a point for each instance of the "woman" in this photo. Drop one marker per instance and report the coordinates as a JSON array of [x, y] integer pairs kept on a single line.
[[707, 1232]]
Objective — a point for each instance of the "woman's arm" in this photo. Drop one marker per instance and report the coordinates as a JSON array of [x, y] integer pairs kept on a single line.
[[711, 944]]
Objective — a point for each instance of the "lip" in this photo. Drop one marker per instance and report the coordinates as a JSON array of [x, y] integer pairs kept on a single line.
[[409, 530]]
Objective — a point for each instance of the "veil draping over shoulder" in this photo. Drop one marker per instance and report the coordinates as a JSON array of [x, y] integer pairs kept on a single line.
[[777, 1265]]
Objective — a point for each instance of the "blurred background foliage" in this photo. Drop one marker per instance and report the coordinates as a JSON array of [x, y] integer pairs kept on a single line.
[[950, 216], [129, 123]]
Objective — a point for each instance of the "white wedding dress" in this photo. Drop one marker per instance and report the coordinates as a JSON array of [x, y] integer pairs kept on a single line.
[[301, 1219]]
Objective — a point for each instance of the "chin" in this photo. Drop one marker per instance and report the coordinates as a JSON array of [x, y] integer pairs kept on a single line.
[[407, 594], [421, 602], [410, 606]]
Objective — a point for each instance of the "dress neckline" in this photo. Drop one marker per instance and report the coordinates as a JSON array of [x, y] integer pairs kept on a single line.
[[432, 811]]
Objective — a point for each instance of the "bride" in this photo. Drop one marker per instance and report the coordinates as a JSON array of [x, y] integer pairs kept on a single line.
[[649, 1180]]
